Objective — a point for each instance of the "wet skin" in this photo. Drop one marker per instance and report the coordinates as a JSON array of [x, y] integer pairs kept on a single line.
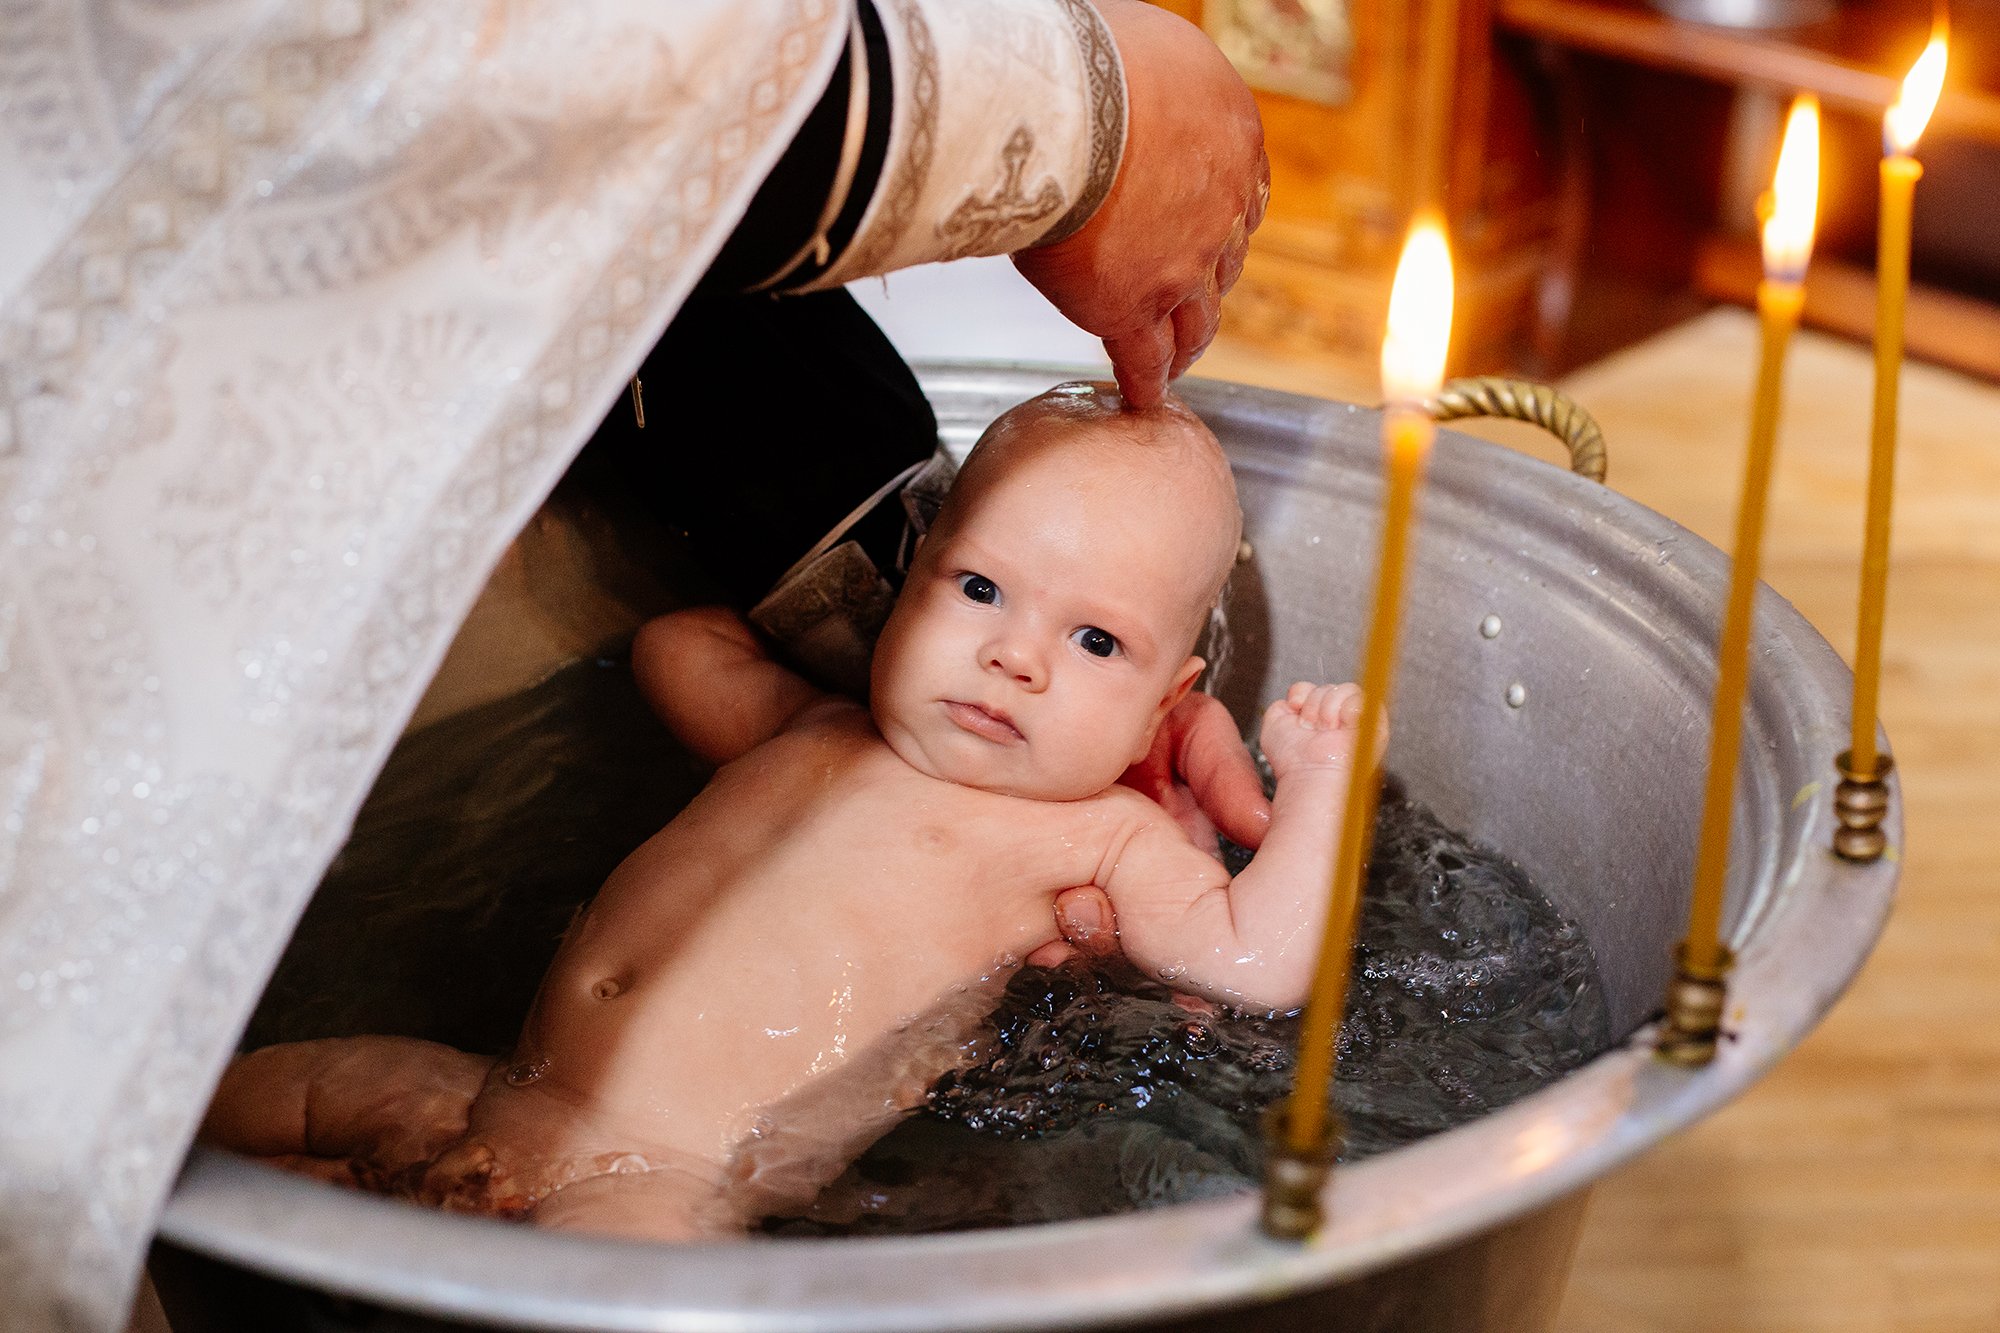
[[768, 982]]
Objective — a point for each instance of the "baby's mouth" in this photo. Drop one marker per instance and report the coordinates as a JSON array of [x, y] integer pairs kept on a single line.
[[986, 723]]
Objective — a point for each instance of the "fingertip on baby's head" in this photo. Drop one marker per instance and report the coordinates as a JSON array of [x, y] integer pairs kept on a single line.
[[1099, 403], [1180, 470]]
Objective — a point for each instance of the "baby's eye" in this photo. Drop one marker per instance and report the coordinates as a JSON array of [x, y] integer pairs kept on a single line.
[[978, 588], [1095, 641]]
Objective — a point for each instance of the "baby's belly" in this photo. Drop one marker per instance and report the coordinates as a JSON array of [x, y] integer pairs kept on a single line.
[[699, 1058], [727, 973]]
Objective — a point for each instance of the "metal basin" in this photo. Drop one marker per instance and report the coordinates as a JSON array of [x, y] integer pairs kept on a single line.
[[1553, 702]]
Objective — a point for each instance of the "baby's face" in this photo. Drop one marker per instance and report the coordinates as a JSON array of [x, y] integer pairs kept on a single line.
[[1043, 632]]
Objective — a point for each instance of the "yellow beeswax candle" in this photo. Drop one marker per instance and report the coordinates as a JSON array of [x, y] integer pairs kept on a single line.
[[1407, 435], [1778, 306], [1413, 356], [1780, 297], [1900, 128]]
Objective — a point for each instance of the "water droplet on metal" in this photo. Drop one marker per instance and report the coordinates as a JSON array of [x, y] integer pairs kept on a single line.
[[1489, 628], [1517, 694]]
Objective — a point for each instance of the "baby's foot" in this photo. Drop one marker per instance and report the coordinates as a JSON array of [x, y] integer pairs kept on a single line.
[[1313, 726], [469, 1178]]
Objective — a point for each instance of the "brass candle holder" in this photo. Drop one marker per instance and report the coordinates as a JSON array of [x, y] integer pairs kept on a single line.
[[1860, 803], [1295, 1175], [1695, 1001]]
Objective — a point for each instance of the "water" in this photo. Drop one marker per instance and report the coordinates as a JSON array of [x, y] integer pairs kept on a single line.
[[1094, 1089], [1101, 1091]]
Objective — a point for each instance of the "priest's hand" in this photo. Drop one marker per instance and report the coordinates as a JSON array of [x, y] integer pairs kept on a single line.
[[1148, 271]]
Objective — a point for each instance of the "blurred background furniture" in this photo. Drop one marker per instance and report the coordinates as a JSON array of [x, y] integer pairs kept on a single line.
[[1599, 162]]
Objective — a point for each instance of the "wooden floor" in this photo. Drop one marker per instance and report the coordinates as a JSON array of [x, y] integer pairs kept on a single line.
[[1858, 1187]]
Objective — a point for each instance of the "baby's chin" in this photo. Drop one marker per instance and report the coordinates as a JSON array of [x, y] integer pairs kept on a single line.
[[962, 763]]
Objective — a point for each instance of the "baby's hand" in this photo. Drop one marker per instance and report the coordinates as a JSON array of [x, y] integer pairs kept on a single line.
[[1313, 726]]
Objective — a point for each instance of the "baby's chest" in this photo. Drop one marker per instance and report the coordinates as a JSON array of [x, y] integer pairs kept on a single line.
[[933, 844]]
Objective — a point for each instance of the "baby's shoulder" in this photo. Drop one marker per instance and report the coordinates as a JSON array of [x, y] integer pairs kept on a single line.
[[829, 741], [833, 721], [1110, 819], [1126, 804]]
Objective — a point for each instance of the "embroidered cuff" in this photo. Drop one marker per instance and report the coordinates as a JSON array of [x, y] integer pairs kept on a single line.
[[1008, 124]]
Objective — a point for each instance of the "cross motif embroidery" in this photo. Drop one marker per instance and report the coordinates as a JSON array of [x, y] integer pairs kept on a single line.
[[976, 222]]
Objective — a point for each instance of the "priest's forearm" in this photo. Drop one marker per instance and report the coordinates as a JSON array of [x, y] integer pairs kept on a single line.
[[1005, 132], [1110, 148]]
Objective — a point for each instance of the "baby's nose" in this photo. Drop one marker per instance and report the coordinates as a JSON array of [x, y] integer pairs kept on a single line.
[[1012, 657]]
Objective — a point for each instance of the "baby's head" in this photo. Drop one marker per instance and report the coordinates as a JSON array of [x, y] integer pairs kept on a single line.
[[1048, 622]]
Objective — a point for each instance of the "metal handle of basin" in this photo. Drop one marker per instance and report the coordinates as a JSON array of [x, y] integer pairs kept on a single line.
[[1523, 400]]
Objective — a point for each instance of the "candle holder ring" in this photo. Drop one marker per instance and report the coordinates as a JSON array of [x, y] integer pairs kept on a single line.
[[1523, 400], [1695, 1003], [1293, 1178], [1860, 803]]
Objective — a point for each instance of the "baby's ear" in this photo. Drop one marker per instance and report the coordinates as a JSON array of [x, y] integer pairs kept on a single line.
[[1184, 679]]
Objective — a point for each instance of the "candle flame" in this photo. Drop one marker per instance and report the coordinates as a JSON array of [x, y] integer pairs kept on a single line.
[[1788, 231], [1919, 97], [1413, 351]]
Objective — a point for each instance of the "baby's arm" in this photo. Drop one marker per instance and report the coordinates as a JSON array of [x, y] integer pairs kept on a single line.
[[705, 672], [1253, 941], [346, 1108]]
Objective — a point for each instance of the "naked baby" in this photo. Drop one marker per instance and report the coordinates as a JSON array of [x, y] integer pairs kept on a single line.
[[760, 989]]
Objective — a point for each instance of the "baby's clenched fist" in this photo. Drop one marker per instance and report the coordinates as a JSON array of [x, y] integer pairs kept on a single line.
[[1313, 726]]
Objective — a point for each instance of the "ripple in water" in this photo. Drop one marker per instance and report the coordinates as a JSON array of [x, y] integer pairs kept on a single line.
[[1096, 1091], [1102, 1091]]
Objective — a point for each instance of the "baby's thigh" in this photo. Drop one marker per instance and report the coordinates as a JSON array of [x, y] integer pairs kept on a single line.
[[662, 1203]]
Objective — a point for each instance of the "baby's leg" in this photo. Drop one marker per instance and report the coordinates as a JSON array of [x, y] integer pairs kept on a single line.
[[354, 1109]]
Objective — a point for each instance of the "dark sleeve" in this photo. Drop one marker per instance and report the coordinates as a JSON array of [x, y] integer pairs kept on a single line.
[[787, 207]]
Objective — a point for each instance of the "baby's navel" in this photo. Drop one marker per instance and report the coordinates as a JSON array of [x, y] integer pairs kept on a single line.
[[610, 988]]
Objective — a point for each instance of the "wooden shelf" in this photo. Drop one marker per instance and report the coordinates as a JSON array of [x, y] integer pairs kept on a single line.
[[1939, 326], [1846, 60]]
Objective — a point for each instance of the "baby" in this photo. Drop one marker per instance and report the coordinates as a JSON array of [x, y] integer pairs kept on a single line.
[[758, 992]]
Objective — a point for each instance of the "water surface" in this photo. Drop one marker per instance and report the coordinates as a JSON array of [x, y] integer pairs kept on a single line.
[[1095, 1089]]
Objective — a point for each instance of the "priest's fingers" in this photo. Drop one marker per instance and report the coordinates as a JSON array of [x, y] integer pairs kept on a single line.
[[1230, 267], [1141, 361], [1195, 320]]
